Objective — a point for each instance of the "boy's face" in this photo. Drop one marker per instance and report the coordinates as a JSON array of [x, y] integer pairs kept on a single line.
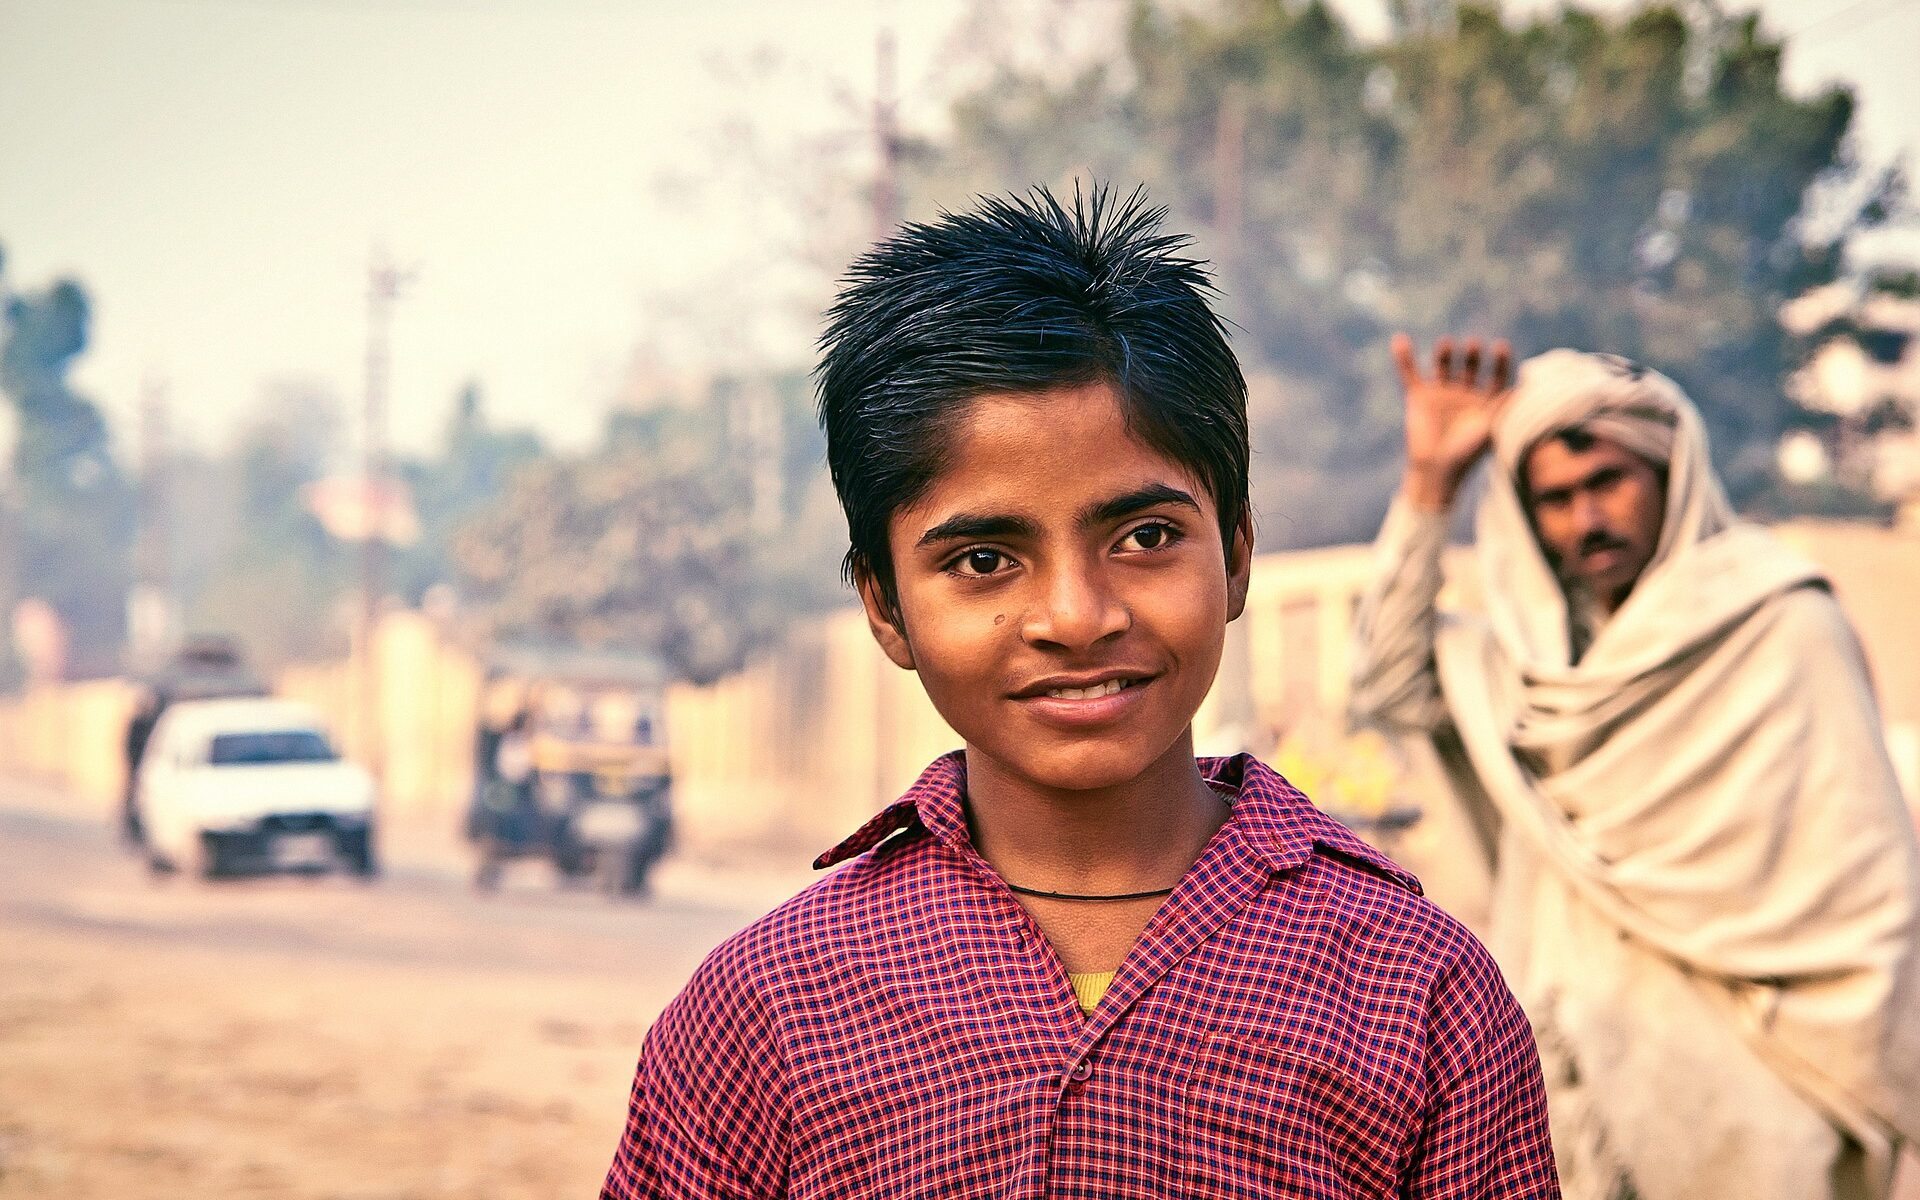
[[1063, 591]]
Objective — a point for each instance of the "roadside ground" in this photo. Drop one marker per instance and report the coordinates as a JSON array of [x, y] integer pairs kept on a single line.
[[322, 1039]]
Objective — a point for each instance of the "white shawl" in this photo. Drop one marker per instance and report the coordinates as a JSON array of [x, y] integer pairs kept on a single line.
[[1701, 828]]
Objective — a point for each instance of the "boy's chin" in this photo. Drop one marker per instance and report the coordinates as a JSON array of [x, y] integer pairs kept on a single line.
[[1090, 765]]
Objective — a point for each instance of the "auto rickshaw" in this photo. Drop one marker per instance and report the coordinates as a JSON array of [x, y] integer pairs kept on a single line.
[[571, 767]]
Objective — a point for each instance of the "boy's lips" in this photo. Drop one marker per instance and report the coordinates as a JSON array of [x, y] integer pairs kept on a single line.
[[1079, 700]]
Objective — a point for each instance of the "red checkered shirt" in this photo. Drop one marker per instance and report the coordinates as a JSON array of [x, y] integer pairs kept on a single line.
[[1296, 1020]]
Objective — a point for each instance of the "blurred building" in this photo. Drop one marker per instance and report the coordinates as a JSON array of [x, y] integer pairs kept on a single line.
[[1864, 376]]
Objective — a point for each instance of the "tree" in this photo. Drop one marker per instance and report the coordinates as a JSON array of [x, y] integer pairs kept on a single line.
[[473, 468], [670, 538], [268, 576], [1565, 181], [72, 520]]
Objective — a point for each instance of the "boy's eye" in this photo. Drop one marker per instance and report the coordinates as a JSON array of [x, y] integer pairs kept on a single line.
[[1155, 535], [979, 561]]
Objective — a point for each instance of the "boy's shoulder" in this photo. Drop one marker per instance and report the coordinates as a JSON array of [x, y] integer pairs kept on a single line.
[[884, 884], [805, 942], [1377, 906]]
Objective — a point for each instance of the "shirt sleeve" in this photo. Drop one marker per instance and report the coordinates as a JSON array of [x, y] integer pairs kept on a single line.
[[1485, 1130], [708, 1117], [1395, 684]]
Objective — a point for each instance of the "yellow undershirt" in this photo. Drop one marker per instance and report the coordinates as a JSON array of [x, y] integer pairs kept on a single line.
[[1088, 987]]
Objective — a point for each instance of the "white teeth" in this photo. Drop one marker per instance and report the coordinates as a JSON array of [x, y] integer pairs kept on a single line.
[[1088, 693]]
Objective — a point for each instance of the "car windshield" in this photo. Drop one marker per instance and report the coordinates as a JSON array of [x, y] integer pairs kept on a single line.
[[269, 746]]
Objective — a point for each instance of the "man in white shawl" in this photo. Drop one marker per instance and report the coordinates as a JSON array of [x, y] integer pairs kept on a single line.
[[1706, 889]]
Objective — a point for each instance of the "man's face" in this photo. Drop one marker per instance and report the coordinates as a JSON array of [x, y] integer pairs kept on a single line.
[[1597, 513], [1063, 591]]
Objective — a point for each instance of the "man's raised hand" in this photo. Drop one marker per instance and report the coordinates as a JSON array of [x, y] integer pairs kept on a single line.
[[1450, 415]]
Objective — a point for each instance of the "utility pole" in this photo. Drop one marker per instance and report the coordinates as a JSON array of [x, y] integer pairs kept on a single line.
[[886, 139], [150, 608], [384, 281], [10, 553]]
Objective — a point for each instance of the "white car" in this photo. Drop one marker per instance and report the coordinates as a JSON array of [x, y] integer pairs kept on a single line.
[[230, 786]]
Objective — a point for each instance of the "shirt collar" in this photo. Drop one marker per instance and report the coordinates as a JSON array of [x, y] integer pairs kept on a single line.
[[1279, 823]]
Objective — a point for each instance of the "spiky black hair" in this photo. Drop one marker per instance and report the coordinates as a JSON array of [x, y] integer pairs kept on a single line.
[[1022, 294]]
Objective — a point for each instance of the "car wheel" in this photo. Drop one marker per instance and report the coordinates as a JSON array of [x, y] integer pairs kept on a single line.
[[638, 865], [356, 850], [486, 876], [132, 829], [211, 860], [608, 870]]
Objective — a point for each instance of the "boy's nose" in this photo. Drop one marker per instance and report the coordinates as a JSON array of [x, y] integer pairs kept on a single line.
[[1075, 609]]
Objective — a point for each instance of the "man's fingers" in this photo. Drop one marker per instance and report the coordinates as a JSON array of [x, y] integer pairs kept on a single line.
[[1502, 366], [1403, 359], [1473, 353]]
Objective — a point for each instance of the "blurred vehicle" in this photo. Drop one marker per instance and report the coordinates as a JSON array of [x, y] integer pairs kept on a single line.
[[571, 767], [203, 669], [252, 785]]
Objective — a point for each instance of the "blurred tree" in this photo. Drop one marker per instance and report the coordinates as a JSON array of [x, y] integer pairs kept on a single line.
[[654, 541], [1634, 185], [471, 471], [71, 535], [265, 572], [275, 580]]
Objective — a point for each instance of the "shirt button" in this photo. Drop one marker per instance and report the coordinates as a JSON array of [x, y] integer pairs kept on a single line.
[[1080, 1071]]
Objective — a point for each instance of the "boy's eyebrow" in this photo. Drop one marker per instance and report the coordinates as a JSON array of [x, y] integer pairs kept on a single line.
[[1129, 503], [967, 526], [978, 525]]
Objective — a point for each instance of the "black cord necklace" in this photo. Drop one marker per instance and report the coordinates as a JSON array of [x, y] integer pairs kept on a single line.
[[1026, 891]]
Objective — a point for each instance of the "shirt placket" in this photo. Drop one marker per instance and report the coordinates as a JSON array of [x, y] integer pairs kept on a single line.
[[1221, 883], [1046, 1034]]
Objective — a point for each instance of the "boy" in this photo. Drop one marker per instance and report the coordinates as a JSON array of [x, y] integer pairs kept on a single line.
[[1072, 961]]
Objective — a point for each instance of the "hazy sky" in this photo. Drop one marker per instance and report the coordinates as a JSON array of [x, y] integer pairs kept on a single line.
[[217, 173]]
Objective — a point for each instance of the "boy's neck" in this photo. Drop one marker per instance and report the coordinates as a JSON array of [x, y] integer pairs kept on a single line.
[[1133, 836]]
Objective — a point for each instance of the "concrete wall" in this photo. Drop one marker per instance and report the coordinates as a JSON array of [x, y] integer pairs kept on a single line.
[[71, 735], [798, 749]]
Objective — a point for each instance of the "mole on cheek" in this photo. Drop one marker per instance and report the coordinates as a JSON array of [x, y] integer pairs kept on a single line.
[[1000, 619]]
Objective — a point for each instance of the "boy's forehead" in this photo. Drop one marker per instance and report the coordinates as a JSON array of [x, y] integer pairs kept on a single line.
[[1060, 414], [1044, 452]]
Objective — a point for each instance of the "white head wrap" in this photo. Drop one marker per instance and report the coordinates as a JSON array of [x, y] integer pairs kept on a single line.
[[1608, 397]]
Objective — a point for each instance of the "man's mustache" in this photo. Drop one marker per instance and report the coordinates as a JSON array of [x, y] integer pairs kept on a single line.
[[1600, 540]]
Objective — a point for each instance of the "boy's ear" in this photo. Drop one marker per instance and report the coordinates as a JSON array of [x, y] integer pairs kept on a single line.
[[1239, 567], [883, 619]]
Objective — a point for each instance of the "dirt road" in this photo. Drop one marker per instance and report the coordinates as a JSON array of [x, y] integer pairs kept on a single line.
[[317, 1038]]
